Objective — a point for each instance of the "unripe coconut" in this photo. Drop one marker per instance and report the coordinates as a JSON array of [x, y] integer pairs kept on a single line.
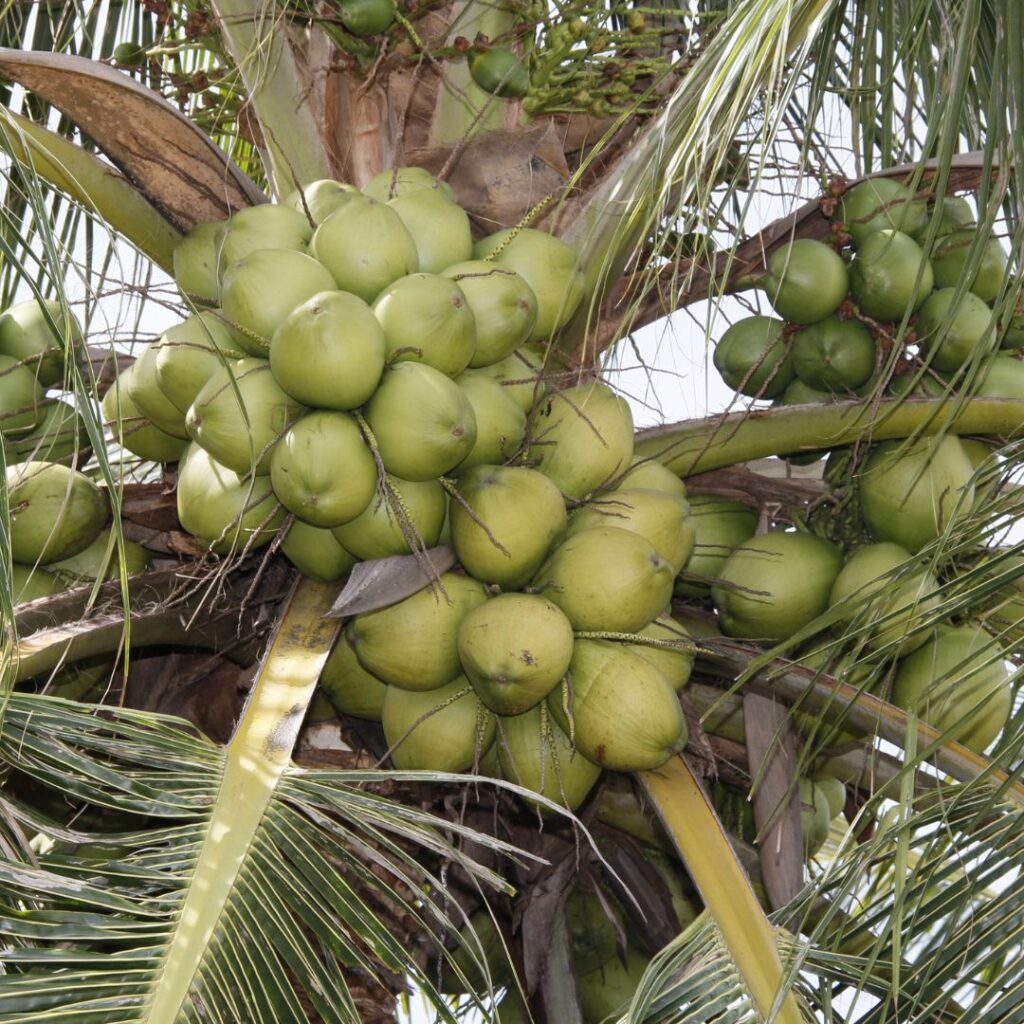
[[195, 264], [319, 199], [548, 265], [618, 806], [953, 330], [930, 385], [520, 375], [957, 682], [381, 529], [401, 181], [144, 391], [499, 71], [226, 511], [366, 247], [593, 936], [834, 354], [55, 512], [132, 430], [439, 227], [719, 526], [414, 644], [799, 393], [349, 687], [59, 436], [806, 281], [31, 584], [878, 204], [500, 422], [240, 414], [1001, 377], [329, 352], [648, 475], [316, 553], [535, 753], [426, 319], [909, 492], [815, 815], [26, 335], [514, 649], [267, 226], [21, 397], [876, 595], [623, 714], [366, 17], [835, 793], [481, 946], [753, 357], [950, 258], [951, 212], [323, 469], [663, 519], [442, 730], [260, 291], [582, 437], [422, 423], [509, 519], [774, 585], [606, 578], [605, 994], [674, 663], [101, 560], [188, 354], [503, 304], [890, 276]]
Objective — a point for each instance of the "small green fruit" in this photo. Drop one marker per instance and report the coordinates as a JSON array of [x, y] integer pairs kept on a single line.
[[267, 226], [439, 227], [499, 71], [500, 422], [195, 264], [952, 331], [401, 181], [145, 393], [349, 687], [950, 258], [27, 336], [101, 560], [31, 584], [834, 355], [753, 357], [806, 281], [719, 525], [132, 430], [59, 436], [21, 397], [367, 17], [187, 355], [878, 204], [319, 199], [890, 276], [316, 553]]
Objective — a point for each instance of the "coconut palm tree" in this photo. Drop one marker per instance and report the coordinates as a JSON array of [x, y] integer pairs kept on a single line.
[[189, 833]]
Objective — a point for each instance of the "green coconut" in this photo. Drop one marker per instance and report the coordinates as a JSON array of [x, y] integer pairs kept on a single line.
[[909, 492], [1001, 377], [593, 935], [505, 523], [548, 265], [951, 213], [366, 17], [195, 264], [673, 662], [132, 430], [413, 644], [878, 204], [835, 793], [39, 333], [606, 578], [874, 592], [753, 357], [439, 227], [648, 475], [146, 395], [422, 422], [410, 516], [806, 281], [499, 71], [605, 994], [890, 276], [319, 199], [951, 257], [101, 560], [261, 289], [316, 552], [618, 806], [366, 247], [952, 330], [514, 649], [329, 352], [834, 354], [958, 682], [799, 393], [500, 422], [55, 512], [775, 584], [441, 730], [322, 469], [59, 436], [349, 687], [401, 181], [503, 305], [426, 319], [240, 414], [188, 354], [815, 815], [226, 511], [21, 397], [519, 374], [267, 226], [481, 956], [1002, 609], [32, 584], [582, 437], [622, 713], [663, 519], [719, 526]]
